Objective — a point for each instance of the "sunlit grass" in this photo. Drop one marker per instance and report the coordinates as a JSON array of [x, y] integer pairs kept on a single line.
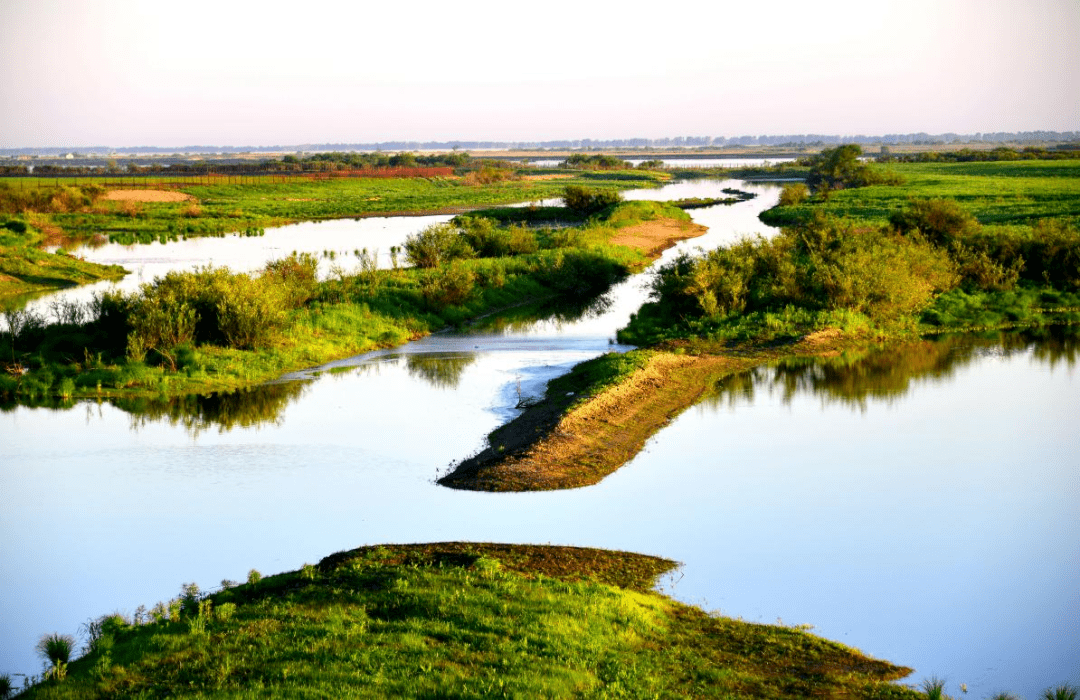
[[472, 621]]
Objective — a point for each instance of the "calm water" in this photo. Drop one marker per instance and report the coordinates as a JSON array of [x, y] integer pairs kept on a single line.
[[919, 505], [335, 242], [684, 162]]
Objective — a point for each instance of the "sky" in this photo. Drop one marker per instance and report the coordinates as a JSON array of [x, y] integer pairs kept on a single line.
[[217, 72]]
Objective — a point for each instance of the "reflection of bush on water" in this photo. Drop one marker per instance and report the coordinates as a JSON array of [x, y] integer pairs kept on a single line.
[[243, 408], [888, 373]]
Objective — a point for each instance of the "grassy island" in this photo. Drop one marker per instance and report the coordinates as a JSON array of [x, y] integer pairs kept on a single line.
[[458, 620]]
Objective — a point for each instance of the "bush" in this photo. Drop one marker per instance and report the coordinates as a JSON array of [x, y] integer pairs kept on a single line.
[[588, 200], [940, 221], [208, 306], [1053, 255], [793, 194], [450, 285], [827, 264], [296, 276], [437, 244], [489, 241]]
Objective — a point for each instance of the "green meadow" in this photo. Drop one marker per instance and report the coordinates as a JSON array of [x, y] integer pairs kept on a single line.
[[457, 621]]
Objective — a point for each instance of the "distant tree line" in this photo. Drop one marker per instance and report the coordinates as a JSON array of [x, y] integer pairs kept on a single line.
[[919, 138], [318, 162], [968, 155]]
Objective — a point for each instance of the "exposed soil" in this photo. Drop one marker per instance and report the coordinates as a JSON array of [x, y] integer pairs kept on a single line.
[[653, 237], [146, 196]]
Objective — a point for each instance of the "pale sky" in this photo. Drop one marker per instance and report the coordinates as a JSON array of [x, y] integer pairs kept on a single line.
[[145, 72]]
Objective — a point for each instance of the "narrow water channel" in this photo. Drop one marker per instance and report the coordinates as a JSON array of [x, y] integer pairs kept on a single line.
[[916, 505]]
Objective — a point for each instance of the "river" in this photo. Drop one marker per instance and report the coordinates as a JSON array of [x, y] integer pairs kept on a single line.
[[919, 506]]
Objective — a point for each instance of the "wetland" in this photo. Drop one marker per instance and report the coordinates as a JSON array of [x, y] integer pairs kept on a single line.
[[889, 496]]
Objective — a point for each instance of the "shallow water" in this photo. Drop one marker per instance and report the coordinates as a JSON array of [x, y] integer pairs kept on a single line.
[[684, 162], [334, 242], [917, 505]]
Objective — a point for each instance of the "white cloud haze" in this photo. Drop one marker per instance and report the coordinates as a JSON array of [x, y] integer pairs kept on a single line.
[[126, 72]]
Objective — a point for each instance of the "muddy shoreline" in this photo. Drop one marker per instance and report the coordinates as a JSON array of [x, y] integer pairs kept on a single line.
[[569, 441]]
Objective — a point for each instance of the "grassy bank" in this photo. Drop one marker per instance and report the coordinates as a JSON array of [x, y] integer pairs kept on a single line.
[[214, 330], [941, 248], [459, 620], [26, 269]]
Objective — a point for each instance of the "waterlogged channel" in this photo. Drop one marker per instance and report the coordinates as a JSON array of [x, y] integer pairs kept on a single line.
[[916, 504]]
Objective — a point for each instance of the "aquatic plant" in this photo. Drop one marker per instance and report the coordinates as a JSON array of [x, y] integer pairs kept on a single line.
[[1061, 692], [934, 688], [55, 647]]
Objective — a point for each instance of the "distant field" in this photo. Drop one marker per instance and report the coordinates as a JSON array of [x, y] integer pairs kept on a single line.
[[1007, 193]]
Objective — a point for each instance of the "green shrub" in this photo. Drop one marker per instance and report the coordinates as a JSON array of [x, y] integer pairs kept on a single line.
[[1061, 692], [588, 200], [449, 285], [827, 264], [793, 194], [435, 245], [296, 277], [490, 241], [940, 221], [1053, 255]]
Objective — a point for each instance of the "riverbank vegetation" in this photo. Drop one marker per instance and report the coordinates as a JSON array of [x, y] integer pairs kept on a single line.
[[213, 329], [929, 264], [876, 254], [457, 620], [159, 209]]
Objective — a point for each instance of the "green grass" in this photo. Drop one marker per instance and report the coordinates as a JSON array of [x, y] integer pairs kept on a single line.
[[1002, 193], [225, 206], [25, 270], [464, 621]]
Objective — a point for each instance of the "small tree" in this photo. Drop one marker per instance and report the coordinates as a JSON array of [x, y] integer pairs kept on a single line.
[[836, 168]]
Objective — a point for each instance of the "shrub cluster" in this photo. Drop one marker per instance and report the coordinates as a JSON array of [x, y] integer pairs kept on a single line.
[[825, 264], [840, 168], [210, 306], [48, 199], [588, 200], [1047, 253]]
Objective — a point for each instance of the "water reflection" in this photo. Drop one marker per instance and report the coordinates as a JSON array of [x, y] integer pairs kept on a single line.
[[888, 373], [221, 411], [440, 371]]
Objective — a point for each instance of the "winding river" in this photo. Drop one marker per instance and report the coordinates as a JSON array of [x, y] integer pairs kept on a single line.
[[916, 503]]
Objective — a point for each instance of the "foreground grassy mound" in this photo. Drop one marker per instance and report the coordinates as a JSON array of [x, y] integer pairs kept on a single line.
[[465, 621]]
